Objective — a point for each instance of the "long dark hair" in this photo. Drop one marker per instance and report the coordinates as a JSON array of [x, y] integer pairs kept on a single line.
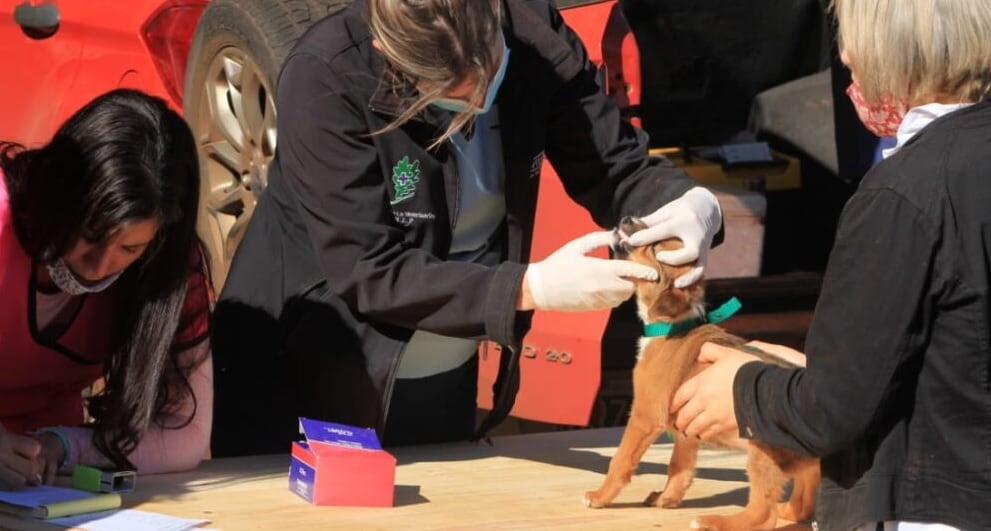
[[123, 157]]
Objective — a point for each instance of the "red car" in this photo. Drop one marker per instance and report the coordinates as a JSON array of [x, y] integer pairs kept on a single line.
[[217, 62]]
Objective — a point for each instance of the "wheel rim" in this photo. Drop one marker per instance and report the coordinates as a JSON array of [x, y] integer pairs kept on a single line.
[[236, 136]]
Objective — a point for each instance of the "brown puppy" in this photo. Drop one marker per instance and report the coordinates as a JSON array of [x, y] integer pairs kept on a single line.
[[663, 364]]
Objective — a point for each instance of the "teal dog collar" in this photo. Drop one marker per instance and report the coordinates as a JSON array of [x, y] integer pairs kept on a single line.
[[667, 328]]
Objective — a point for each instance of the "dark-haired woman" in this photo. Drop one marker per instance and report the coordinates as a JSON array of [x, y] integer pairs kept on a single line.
[[101, 279]]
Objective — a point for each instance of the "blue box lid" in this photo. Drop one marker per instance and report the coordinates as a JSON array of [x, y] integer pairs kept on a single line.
[[339, 434]]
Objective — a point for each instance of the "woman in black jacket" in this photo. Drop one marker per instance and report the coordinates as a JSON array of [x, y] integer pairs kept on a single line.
[[395, 232], [896, 397]]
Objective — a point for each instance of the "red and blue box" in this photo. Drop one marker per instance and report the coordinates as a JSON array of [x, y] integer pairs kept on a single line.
[[341, 465]]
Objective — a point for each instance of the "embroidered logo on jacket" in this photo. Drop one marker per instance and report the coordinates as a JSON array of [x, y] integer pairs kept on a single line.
[[405, 175]]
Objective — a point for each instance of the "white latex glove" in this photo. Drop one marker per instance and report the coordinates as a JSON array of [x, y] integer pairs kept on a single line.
[[569, 281], [694, 218]]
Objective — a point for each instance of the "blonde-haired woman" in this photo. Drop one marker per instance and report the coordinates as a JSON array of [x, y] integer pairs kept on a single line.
[[396, 229], [896, 396]]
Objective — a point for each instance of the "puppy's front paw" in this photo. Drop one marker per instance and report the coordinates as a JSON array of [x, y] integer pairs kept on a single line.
[[708, 523], [657, 499], [595, 500], [742, 520]]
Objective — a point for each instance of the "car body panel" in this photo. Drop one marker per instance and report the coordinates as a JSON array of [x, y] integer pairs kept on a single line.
[[47, 69], [95, 49], [115, 54]]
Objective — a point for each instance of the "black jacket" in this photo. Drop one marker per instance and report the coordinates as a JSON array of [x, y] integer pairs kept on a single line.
[[338, 267], [897, 394]]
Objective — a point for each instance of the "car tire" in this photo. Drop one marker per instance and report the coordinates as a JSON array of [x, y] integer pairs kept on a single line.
[[229, 103]]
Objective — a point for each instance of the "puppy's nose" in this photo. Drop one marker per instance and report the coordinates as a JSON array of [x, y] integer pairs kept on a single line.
[[617, 244], [620, 247]]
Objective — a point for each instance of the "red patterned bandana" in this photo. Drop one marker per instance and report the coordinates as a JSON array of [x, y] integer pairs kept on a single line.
[[882, 120]]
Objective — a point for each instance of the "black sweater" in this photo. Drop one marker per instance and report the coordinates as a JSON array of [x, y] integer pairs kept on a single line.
[[895, 398]]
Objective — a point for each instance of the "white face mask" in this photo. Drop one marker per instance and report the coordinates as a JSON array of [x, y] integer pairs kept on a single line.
[[66, 280]]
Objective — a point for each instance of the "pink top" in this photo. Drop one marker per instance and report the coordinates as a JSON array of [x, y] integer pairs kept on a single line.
[[41, 382], [162, 450]]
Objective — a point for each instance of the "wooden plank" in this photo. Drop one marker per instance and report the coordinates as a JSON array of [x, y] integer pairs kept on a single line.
[[533, 481]]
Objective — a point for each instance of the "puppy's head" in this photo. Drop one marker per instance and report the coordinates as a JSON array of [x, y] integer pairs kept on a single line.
[[660, 300]]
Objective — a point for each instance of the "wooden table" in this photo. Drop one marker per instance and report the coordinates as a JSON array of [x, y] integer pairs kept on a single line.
[[521, 482]]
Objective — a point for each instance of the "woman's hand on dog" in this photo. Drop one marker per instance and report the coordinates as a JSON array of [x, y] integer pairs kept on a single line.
[[703, 406]]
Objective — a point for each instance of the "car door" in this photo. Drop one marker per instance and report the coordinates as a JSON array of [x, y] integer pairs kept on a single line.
[[40, 48]]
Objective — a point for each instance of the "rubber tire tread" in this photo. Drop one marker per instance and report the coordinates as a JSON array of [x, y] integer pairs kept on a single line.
[[267, 30]]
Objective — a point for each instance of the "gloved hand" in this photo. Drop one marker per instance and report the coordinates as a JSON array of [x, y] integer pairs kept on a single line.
[[569, 281], [694, 218]]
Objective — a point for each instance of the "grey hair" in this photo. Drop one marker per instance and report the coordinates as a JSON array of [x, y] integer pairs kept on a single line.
[[918, 50], [438, 44]]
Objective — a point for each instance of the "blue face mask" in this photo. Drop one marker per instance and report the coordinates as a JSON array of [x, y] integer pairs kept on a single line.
[[462, 106]]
